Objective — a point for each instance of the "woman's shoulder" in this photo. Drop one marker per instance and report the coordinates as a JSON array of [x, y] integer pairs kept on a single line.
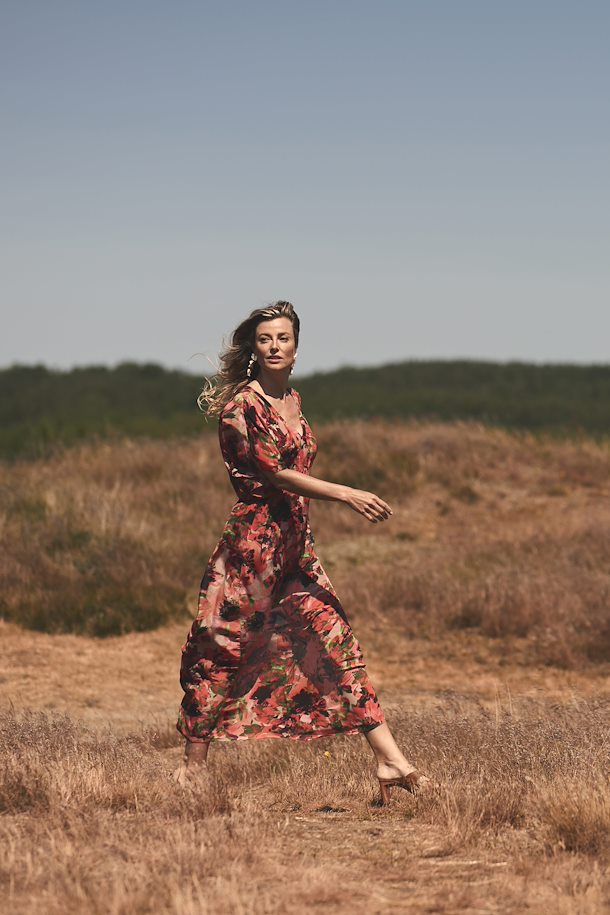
[[237, 404]]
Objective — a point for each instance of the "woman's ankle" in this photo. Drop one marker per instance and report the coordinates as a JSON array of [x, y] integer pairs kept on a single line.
[[392, 759], [391, 766], [195, 753]]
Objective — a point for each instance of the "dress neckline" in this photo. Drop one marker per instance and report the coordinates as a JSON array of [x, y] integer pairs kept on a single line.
[[300, 438]]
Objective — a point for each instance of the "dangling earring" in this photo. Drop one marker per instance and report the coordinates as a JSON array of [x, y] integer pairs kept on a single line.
[[250, 364], [292, 366]]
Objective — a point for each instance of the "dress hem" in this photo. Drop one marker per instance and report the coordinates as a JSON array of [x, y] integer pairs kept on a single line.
[[262, 735]]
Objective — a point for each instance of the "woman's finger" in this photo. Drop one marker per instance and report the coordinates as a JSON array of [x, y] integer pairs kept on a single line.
[[383, 505], [381, 508], [373, 511]]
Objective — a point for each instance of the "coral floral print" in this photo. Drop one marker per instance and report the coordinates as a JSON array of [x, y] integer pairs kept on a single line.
[[271, 652]]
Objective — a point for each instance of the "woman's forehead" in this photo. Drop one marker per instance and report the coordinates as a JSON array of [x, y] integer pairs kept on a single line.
[[274, 324]]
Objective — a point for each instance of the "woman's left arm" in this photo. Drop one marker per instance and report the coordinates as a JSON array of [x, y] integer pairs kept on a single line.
[[363, 502]]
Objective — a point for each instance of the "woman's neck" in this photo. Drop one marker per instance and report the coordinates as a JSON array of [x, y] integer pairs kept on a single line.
[[276, 388]]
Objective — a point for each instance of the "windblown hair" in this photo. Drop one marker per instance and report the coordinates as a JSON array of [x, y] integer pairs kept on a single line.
[[218, 390]]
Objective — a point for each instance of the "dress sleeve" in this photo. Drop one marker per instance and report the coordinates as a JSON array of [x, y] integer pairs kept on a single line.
[[263, 444]]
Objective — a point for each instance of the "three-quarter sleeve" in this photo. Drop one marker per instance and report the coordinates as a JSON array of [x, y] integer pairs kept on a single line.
[[263, 444], [248, 440]]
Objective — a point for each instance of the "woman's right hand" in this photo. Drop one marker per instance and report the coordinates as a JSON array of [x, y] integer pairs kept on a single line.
[[367, 504]]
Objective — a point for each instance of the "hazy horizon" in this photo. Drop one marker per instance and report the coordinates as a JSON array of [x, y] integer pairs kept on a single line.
[[189, 370]]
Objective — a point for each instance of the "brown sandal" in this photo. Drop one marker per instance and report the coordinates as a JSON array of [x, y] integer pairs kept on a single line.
[[413, 782]]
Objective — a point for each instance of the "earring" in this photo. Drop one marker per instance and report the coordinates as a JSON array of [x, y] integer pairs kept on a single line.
[[292, 366], [250, 364]]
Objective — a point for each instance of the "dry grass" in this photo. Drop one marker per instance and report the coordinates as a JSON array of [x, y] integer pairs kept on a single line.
[[482, 608], [91, 821], [504, 535]]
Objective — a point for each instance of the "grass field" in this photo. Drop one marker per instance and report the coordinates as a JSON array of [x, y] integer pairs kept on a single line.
[[482, 607]]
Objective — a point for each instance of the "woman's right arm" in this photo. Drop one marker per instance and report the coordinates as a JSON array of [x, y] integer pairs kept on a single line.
[[365, 503]]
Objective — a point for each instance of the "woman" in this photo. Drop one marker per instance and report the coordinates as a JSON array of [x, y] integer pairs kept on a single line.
[[271, 652]]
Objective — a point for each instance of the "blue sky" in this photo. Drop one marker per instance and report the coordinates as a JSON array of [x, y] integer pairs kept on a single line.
[[421, 179]]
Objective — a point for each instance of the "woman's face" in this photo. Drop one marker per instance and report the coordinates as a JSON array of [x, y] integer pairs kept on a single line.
[[274, 345]]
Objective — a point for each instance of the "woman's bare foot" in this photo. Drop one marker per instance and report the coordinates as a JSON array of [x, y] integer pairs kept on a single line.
[[394, 768], [194, 762], [391, 762]]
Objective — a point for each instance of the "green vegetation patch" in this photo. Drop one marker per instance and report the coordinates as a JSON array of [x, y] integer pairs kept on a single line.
[[95, 586], [41, 409]]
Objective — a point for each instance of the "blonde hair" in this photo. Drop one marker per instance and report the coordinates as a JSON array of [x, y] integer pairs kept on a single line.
[[231, 376]]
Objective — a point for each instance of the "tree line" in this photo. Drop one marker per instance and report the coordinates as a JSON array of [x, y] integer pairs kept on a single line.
[[42, 408]]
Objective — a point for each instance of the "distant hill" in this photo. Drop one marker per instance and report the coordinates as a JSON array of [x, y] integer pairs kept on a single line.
[[41, 408], [561, 398]]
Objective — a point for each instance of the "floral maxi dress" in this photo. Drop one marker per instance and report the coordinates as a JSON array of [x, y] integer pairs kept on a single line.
[[271, 652]]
